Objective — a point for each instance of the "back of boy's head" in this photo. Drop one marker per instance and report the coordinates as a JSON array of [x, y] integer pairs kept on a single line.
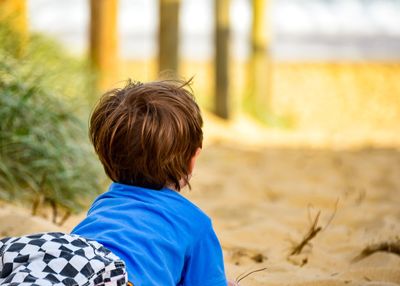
[[145, 134]]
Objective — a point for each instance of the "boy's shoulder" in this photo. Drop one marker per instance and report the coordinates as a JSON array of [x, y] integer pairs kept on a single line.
[[134, 199]]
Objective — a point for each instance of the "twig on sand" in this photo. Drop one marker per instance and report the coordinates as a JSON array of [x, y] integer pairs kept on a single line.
[[332, 215], [244, 275], [54, 210], [386, 246], [312, 232], [37, 202], [65, 217]]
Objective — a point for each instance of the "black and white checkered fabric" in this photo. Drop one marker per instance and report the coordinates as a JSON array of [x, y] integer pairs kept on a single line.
[[58, 259]]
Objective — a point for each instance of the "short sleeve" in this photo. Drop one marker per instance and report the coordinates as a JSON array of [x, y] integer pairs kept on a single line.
[[205, 264]]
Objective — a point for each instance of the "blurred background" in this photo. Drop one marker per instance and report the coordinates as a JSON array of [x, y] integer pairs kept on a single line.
[[301, 100], [318, 71], [289, 63]]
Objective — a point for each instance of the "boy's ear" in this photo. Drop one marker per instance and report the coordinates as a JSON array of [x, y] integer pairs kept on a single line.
[[192, 161]]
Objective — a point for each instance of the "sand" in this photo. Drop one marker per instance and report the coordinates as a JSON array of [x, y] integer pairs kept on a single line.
[[264, 189]]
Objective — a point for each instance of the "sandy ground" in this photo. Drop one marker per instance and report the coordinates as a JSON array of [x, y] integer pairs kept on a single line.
[[264, 190]]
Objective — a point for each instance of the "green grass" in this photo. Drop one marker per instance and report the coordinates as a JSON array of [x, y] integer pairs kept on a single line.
[[44, 148]]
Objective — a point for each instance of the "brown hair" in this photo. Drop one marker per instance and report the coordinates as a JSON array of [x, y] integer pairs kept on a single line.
[[146, 133]]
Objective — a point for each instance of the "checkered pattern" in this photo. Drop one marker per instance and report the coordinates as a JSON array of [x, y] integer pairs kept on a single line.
[[58, 259]]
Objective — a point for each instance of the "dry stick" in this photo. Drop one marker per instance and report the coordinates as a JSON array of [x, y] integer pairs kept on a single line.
[[65, 217], [391, 247], [53, 205], [39, 197], [244, 275], [38, 201], [313, 231], [333, 214]]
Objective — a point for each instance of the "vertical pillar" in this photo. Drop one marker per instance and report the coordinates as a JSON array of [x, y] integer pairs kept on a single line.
[[104, 40], [14, 14], [168, 36], [260, 79], [222, 58]]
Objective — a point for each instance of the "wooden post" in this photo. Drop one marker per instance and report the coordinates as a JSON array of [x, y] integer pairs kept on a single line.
[[222, 58], [104, 40], [168, 36], [259, 80], [14, 14]]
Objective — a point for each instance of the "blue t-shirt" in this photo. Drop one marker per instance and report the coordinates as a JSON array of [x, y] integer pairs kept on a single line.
[[163, 238]]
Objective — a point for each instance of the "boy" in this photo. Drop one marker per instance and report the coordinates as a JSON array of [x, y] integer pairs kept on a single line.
[[148, 136]]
